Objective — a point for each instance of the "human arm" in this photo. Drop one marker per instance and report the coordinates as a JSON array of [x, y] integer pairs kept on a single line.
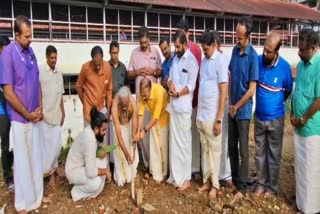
[[80, 82]]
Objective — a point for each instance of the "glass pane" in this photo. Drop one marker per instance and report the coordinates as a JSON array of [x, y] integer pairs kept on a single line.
[[21, 8], [138, 18], [111, 16], [95, 32], [175, 19], [5, 9], [125, 17], [41, 30], [198, 36], [190, 21], [209, 23], [153, 34], [78, 32], [40, 11], [164, 33], [95, 15], [59, 12], [153, 19], [220, 24], [124, 34], [111, 33], [77, 14], [255, 27], [229, 24], [164, 20], [199, 23], [60, 31], [6, 28]]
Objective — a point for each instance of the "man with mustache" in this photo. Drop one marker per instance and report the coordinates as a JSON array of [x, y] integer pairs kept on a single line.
[[19, 77], [244, 72], [155, 98], [181, 83], [273, 88]]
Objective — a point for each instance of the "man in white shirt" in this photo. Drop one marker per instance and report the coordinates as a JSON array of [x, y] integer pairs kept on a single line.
[[51, 83], [181, 83], [211, 104]]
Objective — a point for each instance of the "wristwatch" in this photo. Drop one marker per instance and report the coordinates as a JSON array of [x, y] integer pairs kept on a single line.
[[144, 129], [177, 94], [218, 121]]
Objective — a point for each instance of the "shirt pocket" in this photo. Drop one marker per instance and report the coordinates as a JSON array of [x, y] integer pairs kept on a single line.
[[183, 77]]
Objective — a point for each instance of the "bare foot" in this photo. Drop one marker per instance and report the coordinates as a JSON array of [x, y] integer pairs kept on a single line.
[[259, 191], [22, 212], [213, 193], [184, 186], [268, 195], [229, 183], [46, 200], [237, 197], [52, 180], [60, 171], [205, 187]]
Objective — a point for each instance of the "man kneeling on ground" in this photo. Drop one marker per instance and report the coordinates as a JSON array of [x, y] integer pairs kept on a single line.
[[86, 172]]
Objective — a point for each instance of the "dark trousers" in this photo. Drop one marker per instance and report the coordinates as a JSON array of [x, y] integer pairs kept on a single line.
[[238, 133], [268, 137], [6, 156]]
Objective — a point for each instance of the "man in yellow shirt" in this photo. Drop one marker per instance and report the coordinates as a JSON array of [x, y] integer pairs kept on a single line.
[[155, 98]]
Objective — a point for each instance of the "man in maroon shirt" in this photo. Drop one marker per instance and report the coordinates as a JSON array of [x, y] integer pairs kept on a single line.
[[183, 25]]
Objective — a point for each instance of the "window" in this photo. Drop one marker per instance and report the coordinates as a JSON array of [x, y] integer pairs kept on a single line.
[[95, 32], [95, 15], [220, 24], [190, 21], [164, 20], [229, 24], [175, 19], [41, 30], [111, 16], [77, 14], [153, 19], [138, 18], [209, 23], [59, 12], [21, 8], [40, 11], [125, 17], [60, 31], [111, 33], [78, 32], [5, 9], [199, 23], [6, 28]]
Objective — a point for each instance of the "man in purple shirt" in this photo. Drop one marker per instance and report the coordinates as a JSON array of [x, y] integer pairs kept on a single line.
[[20, 80]]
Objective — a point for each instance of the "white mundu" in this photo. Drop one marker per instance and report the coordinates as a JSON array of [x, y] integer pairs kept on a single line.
[[183, 73], [82, 167], [51, 82]]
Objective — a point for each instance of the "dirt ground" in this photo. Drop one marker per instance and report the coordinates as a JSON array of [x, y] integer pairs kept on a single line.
[[164, 198]]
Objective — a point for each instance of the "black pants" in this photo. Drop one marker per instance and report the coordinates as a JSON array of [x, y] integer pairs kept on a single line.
[[238, 132], [6, 156]]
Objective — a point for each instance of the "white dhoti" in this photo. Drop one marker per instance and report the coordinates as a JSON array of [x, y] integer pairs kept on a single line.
[[158, 152], [211, 147], [225, 169], [110, 140], [180, 146], [28, 169], [145, 143], [52, 142], [122, 170], [83, 186], [307, 172], [196, 148]]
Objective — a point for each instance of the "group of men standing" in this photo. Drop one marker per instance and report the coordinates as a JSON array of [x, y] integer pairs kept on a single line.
[[197, 102]]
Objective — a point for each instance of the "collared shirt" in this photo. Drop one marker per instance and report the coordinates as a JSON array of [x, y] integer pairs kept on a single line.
[[20, 69], [97, 87], [183, 73], [2, 99], [307, 90], [213, 71], [274, 82], [156, 104], [243, 69], [82, 154], [166, 65], [140, 59], [119, 77], [51, 82]]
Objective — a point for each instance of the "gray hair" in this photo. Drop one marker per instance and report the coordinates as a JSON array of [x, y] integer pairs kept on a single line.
[[124, 92]]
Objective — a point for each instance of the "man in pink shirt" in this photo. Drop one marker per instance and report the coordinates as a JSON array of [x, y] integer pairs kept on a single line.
[[183, 25], [145, 61]]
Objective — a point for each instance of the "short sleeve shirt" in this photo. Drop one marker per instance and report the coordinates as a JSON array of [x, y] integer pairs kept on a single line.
[[20, 70], [243, 69]]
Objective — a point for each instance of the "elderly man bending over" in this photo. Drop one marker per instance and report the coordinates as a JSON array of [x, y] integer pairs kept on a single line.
[[124, 116], [155, 98], [86, 172]]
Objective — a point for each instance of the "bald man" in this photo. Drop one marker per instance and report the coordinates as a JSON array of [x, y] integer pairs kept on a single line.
[[273, 88], [155, 98]]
